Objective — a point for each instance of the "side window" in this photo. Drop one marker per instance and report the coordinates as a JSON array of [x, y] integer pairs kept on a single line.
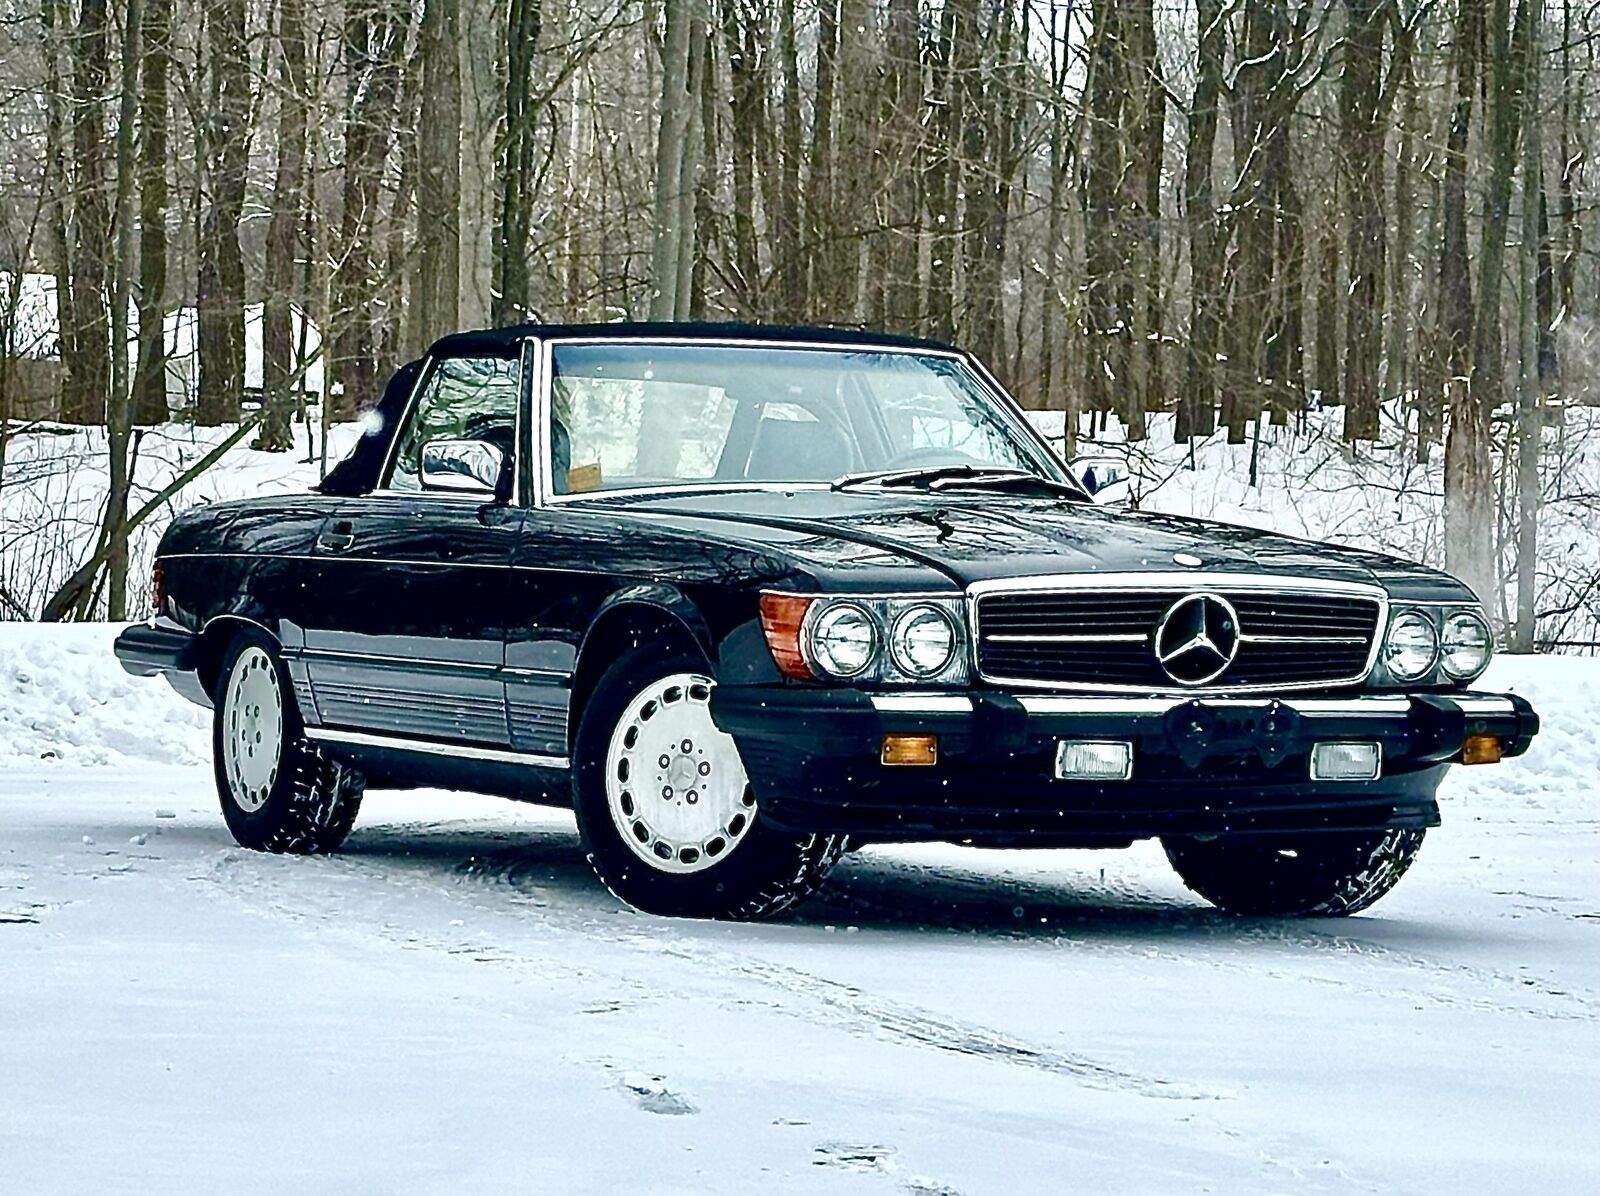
[[463, 398]]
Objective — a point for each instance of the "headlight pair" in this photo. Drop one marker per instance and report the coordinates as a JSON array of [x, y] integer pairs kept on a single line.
[[1458, 642], [866, 639]]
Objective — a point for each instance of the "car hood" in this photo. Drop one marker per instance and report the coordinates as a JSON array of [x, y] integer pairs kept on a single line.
[[973, 537]]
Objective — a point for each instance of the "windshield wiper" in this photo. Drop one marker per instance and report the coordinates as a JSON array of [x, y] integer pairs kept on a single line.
[[925, 476], [951, 477]]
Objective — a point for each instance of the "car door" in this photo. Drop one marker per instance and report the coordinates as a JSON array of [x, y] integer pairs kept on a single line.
[[410, 640]]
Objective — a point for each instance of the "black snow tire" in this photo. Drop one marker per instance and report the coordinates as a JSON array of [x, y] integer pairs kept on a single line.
[[1324, 874], [766, 873], [312, 802]]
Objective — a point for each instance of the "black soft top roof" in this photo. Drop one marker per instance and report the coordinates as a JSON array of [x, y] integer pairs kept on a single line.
[[504, 341]]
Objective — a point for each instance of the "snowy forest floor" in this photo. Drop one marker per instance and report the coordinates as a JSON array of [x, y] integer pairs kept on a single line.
[[455, 1004]]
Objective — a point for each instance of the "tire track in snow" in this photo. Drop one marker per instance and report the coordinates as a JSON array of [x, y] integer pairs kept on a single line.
[[822, 1001], [1047, 914]]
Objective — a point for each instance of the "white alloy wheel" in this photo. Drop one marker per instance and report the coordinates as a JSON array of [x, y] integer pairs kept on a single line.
[[675, 785], [252, 729]]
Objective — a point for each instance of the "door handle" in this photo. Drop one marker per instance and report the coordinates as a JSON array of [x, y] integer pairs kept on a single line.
[[338, 537]]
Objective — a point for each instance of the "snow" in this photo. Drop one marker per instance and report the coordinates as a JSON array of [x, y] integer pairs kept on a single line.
[[454, 1003]]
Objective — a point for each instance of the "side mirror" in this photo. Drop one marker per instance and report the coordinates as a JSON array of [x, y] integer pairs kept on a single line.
[[462, 467]]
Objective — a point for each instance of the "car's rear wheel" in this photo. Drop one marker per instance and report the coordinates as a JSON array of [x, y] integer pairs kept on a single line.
[[1326, 874], [665, 807], [278, 791]]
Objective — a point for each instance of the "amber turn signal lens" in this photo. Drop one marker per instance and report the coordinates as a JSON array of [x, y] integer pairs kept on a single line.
[[782, 617], [1481, 749], [910, 749]]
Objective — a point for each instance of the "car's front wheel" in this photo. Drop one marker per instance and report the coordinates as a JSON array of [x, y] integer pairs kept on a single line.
[[664, 805], [279, 792], [1326, 873]]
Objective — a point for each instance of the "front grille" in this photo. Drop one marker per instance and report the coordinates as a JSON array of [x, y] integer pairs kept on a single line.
[[1105, 637]]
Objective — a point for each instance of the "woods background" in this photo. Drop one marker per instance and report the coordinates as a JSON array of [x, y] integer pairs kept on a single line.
[[1194, 218]]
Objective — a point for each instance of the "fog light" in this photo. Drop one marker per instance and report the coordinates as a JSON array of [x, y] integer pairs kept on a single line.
[[910, 749], [1481, 749], [1346, 761], [1092, 760]]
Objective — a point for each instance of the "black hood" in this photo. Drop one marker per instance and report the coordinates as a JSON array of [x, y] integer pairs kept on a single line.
[[975, 537]]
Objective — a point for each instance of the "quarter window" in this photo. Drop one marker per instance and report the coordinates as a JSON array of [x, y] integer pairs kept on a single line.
[[463, 398]]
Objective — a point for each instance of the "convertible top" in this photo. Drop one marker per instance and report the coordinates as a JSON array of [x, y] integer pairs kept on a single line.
[[504, 341], [358, 472]]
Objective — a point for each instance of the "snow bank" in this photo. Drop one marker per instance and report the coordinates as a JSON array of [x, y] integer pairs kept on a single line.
[[65, 700]]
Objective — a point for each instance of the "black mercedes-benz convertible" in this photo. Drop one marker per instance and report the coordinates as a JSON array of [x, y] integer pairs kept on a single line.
[[744, 597]]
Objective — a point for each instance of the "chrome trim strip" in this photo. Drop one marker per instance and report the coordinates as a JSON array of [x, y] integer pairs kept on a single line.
[[397, 662], [543, 409], [1483, 704], [1186, 582], [435, 748], [525, 482], [922, 703], [532, 674], [1171, 579], [1132, 637], [1302, 639], [1381, 705]]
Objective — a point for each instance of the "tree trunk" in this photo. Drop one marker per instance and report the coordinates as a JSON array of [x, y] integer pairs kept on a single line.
[[1362, 135], [512, 303], [898, 151], [677, 105], [86, 352], [220, 308], [150, 379], [1531, 372], [277, 324], [371, 48], [436, 297], [747, 80], [790, 264], [1197, 411], [1469, 512], [119, 404]]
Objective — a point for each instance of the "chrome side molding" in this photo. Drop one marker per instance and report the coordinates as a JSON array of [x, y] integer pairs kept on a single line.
[[433, 747]]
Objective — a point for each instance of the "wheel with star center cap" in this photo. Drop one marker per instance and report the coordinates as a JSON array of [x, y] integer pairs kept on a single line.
[[665, 806]]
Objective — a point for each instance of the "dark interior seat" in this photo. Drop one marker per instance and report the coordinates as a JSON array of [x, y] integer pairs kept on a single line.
[[787, 450]]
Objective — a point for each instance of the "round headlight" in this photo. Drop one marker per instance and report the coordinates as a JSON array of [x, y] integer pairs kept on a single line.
[[844, 640], [1411, 647], [923, 641], [1466, 645]]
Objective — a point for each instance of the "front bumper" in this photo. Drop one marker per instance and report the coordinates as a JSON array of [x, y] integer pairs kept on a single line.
[[1200, 766]]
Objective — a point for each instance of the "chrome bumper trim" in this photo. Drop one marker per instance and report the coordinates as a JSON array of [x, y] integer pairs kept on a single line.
[[434, 748], [922, 703]]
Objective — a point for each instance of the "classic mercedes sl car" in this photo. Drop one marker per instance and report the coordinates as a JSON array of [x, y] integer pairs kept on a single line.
[[747, 597]]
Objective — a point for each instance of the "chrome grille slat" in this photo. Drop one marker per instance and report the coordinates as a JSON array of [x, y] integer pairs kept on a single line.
[[1096, 633]]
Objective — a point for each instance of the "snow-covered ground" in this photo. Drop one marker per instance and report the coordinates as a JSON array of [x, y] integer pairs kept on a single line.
[[454, 1004]]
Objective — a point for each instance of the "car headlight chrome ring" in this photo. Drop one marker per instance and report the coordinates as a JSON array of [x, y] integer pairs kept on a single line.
[[843, 640], [1466, 645], [923, 642], [1411, 647]]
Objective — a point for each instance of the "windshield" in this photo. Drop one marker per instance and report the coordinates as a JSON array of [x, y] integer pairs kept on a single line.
[[636, 414]]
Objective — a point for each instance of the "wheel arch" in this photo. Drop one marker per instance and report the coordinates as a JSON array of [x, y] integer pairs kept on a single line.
[[631, 615], [212, 644]]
